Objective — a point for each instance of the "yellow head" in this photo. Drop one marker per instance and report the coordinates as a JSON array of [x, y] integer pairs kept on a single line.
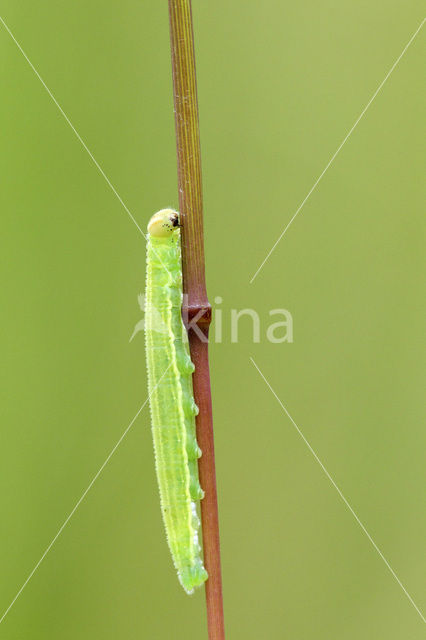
[[163, 223]]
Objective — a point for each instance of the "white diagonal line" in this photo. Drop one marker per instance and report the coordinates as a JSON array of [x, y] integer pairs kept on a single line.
[[80, 139], [339, 148], [80, 500], [96, 163], [340, 493]]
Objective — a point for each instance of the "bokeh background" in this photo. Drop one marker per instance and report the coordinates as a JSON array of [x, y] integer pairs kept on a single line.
[[280, 85]]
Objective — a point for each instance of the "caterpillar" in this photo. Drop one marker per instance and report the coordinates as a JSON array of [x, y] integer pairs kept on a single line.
[[171, 399]]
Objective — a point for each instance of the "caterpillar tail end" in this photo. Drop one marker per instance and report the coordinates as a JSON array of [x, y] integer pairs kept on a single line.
[[192, 577]]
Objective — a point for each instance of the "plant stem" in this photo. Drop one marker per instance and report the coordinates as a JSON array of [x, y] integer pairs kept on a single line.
[[196, 306]]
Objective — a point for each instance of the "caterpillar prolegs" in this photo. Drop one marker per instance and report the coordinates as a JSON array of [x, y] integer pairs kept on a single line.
[[172, 404]]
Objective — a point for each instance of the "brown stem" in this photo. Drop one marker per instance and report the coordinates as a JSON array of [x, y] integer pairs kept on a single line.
[[194, 286]]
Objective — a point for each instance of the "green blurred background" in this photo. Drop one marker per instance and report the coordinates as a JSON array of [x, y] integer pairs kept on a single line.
[[280, 85]]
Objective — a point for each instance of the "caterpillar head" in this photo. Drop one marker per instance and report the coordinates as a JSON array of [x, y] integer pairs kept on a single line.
[[163, 223]]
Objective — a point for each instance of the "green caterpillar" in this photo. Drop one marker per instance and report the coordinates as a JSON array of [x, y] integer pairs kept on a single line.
[[172, 404]]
